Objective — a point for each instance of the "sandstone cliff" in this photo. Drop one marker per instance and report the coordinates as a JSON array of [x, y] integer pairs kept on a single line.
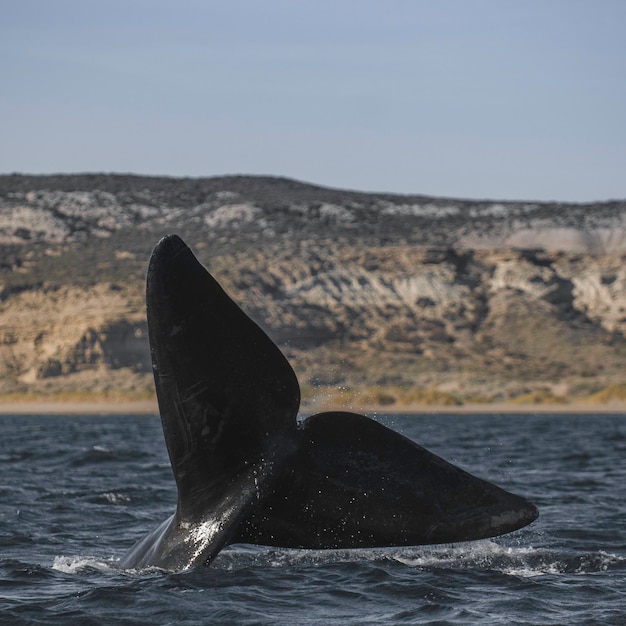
[[405, 298]]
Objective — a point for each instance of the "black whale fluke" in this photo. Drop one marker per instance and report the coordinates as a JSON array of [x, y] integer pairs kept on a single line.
[[247, 472]]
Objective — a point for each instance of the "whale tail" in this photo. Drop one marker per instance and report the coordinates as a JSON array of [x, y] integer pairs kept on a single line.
[[247, 472]]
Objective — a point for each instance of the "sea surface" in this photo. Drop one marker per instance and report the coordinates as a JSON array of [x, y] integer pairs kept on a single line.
[[77, 491]]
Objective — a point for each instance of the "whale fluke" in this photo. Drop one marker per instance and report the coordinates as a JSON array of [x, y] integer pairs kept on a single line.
[[246, 471]]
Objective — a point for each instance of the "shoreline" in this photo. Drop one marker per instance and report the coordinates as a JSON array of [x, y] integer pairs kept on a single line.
[[91, 407], [149, 407]]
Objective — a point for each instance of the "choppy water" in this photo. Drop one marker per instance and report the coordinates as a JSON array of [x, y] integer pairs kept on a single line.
[[76, 492]]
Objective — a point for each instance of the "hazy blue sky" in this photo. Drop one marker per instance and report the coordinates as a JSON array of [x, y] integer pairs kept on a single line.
[[511, 99]]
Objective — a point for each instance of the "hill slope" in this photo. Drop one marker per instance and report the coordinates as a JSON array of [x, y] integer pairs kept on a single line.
[[415, 299]]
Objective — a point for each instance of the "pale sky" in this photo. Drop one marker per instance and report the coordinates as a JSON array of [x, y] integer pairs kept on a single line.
[[501, 99]]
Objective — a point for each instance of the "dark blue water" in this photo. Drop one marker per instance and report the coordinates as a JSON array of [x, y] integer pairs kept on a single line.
[[77, 492]]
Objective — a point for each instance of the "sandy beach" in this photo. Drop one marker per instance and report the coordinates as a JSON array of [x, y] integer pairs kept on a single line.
[[149, 407]]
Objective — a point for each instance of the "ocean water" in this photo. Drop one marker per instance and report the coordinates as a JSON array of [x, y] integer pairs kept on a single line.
[[77, 491]]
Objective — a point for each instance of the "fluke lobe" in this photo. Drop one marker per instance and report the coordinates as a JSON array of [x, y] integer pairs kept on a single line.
[[246, 472]]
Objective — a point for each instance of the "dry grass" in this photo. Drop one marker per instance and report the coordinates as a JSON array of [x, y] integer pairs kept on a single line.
[[347, 397], [611, 393], [77, 397], [539, 396]]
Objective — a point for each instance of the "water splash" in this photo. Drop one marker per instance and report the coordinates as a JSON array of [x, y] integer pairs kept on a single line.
[[82, 564], [526, 561]]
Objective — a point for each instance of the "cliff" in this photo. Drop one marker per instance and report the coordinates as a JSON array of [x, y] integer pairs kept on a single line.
[[403, 298]]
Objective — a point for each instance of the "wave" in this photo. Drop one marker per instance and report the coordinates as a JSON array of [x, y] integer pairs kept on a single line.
[[485, 555], [82, 564], [516, 561]]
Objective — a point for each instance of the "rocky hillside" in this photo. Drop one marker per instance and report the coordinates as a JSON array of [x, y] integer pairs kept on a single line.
[[403, 298]]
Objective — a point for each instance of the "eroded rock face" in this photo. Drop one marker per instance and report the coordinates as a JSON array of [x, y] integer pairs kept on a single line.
[[357, 288], [411, 314], [52, 334]]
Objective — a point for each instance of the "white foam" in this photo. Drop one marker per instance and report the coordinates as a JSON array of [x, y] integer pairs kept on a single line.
[[526, 562], [116, 498], [77, 564]]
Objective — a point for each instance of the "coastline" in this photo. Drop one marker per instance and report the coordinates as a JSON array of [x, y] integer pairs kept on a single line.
[[504, 408], [149, 407], [51, 407]]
